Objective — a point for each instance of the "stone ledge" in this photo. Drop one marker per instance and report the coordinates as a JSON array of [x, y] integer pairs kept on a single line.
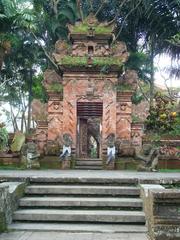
[[162, 210], [10, 193]]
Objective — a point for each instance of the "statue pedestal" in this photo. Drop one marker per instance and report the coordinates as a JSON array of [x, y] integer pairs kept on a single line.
[[66, 164], [110, 166], [35, 164]]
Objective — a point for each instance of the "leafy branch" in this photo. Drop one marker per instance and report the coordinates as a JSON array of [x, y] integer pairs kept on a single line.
[[122, 25]]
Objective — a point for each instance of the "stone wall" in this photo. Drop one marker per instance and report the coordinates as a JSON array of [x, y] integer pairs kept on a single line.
[[162, 210], [3, 205], [10, 193]]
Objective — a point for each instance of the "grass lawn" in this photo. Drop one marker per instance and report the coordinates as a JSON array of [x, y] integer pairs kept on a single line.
[[169, 170]]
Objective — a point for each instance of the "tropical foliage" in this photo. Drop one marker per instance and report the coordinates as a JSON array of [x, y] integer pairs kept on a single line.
[[162, 118], [30, 28], [3, 137]]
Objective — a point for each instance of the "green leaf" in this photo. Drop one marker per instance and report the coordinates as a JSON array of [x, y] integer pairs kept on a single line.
[[69, 14]]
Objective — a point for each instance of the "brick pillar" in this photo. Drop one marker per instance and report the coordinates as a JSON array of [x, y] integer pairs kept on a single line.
[[109, 116], [41, 135], [124, 115], [136, 134], [55, 116], [70, 108]]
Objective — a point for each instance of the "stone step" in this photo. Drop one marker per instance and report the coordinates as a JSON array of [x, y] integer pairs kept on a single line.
[[85, 177], [83, 190], [89, 159], [89, 163], [79, 202], [91, 167], [77, 227], [56, 215]]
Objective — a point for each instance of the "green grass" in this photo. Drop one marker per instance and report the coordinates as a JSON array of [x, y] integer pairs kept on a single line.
[[97, 61], [55, 87], [169, 170], [124, 87], [84, 28], [74, 61], [11, 167]]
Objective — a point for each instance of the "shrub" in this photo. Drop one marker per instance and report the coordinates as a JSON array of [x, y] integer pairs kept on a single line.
[[3, 138], [162, 118]]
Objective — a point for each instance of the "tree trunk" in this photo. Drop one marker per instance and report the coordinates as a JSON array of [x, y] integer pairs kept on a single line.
[[30, 99], [13, 119], [152, 55]]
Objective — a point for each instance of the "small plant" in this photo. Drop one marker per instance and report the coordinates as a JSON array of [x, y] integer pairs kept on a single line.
[[3, 138], [96, 61], [55, 87], [84, 28], [123, 87], [107, 61], [74, 61], [135, 119]]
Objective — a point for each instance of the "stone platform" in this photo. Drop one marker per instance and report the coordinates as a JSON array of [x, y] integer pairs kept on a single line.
[[70, 236], [90, 176]]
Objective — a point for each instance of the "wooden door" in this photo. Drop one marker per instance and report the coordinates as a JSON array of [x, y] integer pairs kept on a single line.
[[83, 138]]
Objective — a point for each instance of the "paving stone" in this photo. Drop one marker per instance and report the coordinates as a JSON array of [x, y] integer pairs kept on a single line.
[[79, 228], [70, 236]]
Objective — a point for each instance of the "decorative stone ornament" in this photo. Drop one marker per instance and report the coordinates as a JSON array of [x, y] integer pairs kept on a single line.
[[65, 156], [111, 151]]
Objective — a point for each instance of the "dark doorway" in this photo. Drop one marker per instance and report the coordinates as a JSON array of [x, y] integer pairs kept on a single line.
[[89, 129], [89, 137]]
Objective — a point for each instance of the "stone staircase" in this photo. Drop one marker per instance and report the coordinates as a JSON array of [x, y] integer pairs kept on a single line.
[[89, 164], [80, 207]]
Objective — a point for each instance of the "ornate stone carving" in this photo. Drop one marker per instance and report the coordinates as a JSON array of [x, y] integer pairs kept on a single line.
[[31, 155], [130, 78], [51, 77], [111, 150], [150, 161], [123, 125], [61, 48], [79, 49], [41, 135], [123, 106], [39, 110], [120, 50], [55, 107], [92, 20]]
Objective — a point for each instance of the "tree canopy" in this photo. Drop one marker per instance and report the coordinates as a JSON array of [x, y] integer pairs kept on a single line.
[[30, 28]]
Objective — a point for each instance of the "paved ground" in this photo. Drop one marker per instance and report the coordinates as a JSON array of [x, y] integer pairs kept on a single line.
[[143, 177], [70, 236]]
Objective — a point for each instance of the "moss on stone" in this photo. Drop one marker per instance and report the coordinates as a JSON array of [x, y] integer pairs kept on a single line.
[[84, 28], [96, 61], [2, 222], [124, 87], [55, 87], [126, 165]]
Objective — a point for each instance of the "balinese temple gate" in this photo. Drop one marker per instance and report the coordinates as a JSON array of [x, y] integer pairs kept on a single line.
[[90, 107]]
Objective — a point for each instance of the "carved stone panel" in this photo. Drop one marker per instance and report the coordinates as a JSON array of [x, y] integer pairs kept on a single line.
[[55, 107], [136, 135], [123, 127], [55, 126], [124, 108]]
